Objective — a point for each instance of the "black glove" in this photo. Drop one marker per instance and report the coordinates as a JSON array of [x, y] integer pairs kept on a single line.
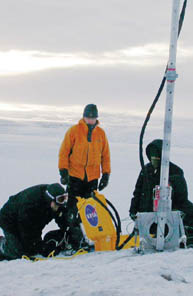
[[72, 217], [64, 176], [104, 181], [133, 216]]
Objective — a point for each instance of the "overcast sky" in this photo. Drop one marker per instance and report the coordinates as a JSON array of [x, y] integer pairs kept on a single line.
[[112, 53]]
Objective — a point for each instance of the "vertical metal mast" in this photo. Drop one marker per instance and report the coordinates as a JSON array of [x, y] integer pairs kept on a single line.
[[165, 194]]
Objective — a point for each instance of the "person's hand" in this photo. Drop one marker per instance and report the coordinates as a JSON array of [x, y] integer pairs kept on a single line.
[[133, 216], [64, 176], [103, 181]]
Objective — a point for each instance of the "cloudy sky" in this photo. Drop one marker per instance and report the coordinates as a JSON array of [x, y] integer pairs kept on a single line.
[[112, 53]]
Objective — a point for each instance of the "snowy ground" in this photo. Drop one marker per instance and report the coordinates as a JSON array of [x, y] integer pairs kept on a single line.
[[28, 156], [101, 274]]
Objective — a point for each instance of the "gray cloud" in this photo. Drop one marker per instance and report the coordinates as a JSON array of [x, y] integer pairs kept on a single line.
[[62, 25], [115, 87]]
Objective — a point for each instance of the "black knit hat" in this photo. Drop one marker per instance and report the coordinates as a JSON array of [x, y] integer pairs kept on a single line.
[[90, 111], [54, 190]]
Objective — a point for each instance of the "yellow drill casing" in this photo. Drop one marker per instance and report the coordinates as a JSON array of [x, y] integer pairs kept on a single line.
[[98, 224]]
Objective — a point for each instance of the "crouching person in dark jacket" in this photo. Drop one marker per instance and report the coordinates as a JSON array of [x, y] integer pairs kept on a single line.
[[142, 200], [24, 216]]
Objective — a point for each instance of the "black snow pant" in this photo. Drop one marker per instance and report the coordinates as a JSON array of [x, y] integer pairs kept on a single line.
[[78, 187], [82, 188], [11, 248]]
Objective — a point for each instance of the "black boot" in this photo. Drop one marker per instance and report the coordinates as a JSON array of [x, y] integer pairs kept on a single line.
[[2, 243], [189, 235]]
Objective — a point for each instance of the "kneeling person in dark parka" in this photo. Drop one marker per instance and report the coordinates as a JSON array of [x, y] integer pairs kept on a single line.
[[24, 216]]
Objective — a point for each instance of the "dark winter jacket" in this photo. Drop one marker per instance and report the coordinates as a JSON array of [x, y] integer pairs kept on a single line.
[[143, 193], [26, 214]]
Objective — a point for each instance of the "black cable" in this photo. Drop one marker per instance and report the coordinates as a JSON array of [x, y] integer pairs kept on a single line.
[[112, 217], [116, 213], [182, 14], [117, 223], [131, 235]]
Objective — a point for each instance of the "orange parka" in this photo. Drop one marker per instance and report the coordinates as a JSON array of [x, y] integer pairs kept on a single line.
[[78, 156]]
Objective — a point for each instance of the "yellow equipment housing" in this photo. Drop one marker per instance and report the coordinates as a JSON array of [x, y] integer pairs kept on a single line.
[[99, 226]]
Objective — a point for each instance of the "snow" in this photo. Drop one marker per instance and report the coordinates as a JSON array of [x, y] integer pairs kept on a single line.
[[101, 274], [28, 156]]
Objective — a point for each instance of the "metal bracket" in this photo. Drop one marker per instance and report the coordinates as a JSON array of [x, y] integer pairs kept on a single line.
[[171, 75], [174, 230]]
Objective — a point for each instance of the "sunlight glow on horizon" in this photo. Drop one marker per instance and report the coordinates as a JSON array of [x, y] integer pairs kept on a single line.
[[17, 62], [34, 107], [73, 113], [58, 111]]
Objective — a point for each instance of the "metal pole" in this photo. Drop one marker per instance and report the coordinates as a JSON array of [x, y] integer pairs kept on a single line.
[[165, 194]]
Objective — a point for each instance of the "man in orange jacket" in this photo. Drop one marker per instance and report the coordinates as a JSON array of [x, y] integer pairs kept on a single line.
[[83, 154]]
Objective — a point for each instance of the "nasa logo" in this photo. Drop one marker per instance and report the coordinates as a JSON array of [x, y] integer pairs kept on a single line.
[[91, 215]]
